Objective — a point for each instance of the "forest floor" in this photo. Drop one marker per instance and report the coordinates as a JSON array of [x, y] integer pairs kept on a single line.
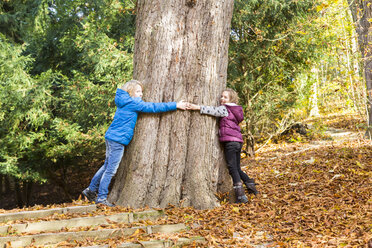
[[315, 191]]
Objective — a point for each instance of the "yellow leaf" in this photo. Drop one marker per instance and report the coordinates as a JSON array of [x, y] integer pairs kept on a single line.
[[360, 165], [321, 7], [138, 231], [235, 209], [231, 231]]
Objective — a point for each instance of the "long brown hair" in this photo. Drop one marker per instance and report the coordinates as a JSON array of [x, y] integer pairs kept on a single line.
[[234, 98]]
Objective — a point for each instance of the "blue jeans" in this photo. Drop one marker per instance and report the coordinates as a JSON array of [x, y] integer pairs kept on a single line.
[[101, 180]]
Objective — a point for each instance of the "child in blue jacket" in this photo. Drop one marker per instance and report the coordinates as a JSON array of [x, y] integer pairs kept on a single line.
[[119, 134]]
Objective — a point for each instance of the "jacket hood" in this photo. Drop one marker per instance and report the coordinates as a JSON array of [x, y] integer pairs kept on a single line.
[[123, 98], [237, 111]]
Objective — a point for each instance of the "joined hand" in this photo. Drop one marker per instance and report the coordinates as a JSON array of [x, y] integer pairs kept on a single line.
[[191, 106]]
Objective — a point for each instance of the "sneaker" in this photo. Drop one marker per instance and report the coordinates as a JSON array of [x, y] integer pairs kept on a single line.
[[90, 195], [105, 202]]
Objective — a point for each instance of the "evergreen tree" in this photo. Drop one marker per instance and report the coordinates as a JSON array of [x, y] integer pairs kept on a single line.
[[61, 62]]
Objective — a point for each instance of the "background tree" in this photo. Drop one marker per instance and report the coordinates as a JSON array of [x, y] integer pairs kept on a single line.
[[61, 62], [340, 85], [180, 53], [269, 48], [338, 72], [362, 15], [281, 51]]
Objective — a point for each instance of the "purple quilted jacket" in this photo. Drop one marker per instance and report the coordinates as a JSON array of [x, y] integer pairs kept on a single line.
[[229, 126]]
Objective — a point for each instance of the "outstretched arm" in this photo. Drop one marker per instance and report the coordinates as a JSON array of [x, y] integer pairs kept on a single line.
[[219, 111], [152, 107]]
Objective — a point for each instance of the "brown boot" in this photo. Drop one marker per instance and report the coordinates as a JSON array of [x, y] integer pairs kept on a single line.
[[240, 194]]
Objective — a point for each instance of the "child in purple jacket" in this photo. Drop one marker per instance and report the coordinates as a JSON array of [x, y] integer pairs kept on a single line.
[[231, 138]]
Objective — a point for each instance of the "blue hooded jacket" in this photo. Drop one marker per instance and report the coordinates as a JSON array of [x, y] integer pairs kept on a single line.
[[122, 127]]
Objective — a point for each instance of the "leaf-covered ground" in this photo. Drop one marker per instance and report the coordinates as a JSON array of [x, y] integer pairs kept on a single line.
[[310, 196], [318, 198]]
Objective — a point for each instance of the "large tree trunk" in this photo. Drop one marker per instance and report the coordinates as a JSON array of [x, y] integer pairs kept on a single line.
[[180, 53], [361, 11]]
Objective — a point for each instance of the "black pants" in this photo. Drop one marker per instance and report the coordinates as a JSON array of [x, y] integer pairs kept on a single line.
[[232, 154]]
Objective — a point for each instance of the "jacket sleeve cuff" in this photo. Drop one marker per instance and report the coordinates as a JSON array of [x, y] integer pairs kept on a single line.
[[173, 105]]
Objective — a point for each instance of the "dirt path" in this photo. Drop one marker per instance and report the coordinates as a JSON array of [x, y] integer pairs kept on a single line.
[[336, 137]]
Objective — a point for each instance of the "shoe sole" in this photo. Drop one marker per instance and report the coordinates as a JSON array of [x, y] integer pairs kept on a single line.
[[88, 198], [102, 204]]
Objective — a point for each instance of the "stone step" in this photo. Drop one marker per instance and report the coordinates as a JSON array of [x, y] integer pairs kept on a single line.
[[54, 238], [156, 243], [163, 243], [81, 222], [44, 213]]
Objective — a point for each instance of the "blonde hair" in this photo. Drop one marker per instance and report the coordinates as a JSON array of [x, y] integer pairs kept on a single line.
[[234, 98], [130, 86]]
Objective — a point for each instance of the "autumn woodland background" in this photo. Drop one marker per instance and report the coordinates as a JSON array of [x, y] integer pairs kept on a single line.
[[300, 72]]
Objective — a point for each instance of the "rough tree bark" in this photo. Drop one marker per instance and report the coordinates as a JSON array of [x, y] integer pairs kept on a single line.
[[180, 53], [361, 11]]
